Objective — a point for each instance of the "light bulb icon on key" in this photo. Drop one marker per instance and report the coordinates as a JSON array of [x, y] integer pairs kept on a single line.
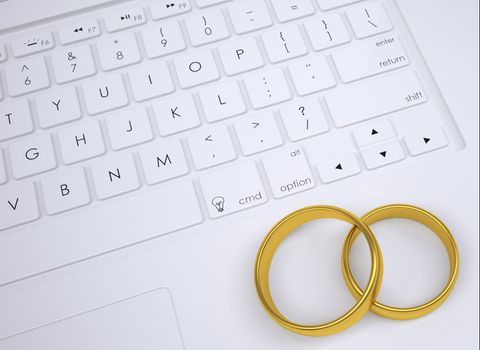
[[218, 202]]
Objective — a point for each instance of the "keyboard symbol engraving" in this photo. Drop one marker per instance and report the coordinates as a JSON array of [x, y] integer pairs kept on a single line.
[[219, 203]]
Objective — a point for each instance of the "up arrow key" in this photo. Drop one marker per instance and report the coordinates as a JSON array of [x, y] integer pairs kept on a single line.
[[339, 166]]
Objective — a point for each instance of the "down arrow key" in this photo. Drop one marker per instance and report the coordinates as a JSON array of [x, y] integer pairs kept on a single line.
[[383, 154]]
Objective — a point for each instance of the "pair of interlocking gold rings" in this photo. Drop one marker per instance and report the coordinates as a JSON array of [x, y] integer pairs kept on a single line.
[[365, 298]]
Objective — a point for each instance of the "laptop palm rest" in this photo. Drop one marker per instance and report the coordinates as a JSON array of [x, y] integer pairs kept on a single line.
[[146, 321]]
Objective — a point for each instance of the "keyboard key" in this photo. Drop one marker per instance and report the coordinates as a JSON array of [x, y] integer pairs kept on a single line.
[[232, 189], [3, 53], [292, 9], [258, 132], [283, 44], [338, 167], [327, 31], [330, 4], [311, 75], [3, 170], [118, 51], [78, 31], [206, 27], [163, 161], [32, 156], [32, 43], [163, 39], [376, 97], [26, 76], [267, 88], [149, 81], [426, 141], [211, 147], [369, 19], [196, 68], [166, 8], [176, 114], [128, 128], [114, 176], [58, 107], [363, 60], [249, 15], [104, 94], [15, 119], [240, 56], [206, 3], [222, 101], [73, 63], [303, 119], [125, 19], [18, 205], [383, 154], [65, 190], [288, 172], [81, 141], [373, 133]]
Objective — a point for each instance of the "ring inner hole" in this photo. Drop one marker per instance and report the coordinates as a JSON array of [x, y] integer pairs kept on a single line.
[[306, 280], [416, 266]]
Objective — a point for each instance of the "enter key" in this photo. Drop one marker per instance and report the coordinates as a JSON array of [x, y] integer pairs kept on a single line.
[[370, 58]]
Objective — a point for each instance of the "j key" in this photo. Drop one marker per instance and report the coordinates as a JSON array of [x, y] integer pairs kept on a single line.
[[114, 176], [32, 43], [81, 141], [283, 44], [206, 27], [327, 31], [73, 63], [196, 68], [176, 114], [104, 94], [211, 147], [128, 128], [163, 39], [232, 189], [65, 190], [79, 31], [369, 19], [267, 88], [249, 15], [58, 107], [288, 172], [118, 51], [26, 76], [15, 119], [304, 118], [240, 56], [163, 161], [150, 81], [287, 10], [222, 101], [18, 205], [32, 156], [311, 75], [257, 133]]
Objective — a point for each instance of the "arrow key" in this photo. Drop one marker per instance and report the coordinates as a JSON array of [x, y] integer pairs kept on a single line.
[[373, 133], [426, 141], [338, 167], [383, 154]]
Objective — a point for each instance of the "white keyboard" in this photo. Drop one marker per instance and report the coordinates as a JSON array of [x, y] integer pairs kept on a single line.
[[185, 111]]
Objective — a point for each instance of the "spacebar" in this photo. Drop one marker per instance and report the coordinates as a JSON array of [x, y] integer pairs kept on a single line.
[[96, 230], [375, 97]]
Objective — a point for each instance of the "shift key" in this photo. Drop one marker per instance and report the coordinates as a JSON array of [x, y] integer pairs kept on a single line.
[[375, 97]]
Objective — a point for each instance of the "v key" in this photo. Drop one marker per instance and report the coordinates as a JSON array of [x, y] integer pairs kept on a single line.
[[14, 206], [18, 205]]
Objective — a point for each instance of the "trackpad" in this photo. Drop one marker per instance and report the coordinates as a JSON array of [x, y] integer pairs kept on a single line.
[[146, 321]]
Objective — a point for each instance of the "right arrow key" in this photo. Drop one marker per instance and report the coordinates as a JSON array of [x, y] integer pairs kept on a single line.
[[426, 141], [382, 154]]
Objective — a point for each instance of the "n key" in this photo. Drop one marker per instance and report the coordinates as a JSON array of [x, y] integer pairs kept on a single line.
[[18, 205]]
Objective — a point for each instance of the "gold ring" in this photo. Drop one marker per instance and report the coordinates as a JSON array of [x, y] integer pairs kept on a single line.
[[273, 239], [423, 217]]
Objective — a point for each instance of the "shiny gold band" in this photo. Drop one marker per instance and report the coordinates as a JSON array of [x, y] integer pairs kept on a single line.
[[273, 239], [424, 217]]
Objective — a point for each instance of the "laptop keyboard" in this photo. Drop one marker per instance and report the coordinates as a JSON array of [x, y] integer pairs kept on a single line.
[[222, 101]]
